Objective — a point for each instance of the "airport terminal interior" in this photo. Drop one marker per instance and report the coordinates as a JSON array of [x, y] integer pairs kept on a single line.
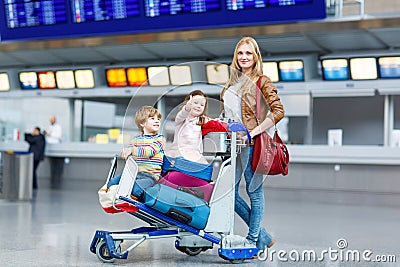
[[91, 65]]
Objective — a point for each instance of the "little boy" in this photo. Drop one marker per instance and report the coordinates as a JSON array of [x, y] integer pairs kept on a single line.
[[147, 149]]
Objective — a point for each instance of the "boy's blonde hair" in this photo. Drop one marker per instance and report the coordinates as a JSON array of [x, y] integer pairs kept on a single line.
[[144, 113]]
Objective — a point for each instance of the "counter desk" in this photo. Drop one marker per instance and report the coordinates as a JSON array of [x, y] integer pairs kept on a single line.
[[351, 168]]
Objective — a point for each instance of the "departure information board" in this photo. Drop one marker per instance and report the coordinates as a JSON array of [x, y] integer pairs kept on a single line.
[[247, 4], [154, 8], [288, 2], [55, 19], [98, 10], [34, 13]]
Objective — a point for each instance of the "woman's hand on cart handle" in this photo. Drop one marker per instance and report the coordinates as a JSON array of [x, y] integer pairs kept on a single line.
[[243, 138], [239, 127]]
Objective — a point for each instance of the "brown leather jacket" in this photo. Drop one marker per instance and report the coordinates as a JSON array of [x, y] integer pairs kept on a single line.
[[270, 102]]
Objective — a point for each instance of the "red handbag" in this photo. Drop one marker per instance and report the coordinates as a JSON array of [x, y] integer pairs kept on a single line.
[[270, 155]]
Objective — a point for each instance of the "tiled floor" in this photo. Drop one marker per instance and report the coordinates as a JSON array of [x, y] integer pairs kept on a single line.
[[56, 228]]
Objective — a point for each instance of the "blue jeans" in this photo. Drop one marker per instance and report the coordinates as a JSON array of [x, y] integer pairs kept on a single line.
[[143, 180], [253, 215]]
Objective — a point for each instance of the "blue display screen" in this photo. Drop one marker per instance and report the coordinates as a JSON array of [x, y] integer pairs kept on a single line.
[[28, 80], [389, 67], [288, 2], [292, 75], [249, 4], [291, 71], [334, 69], [155, 8], [99, 10], [27, 13], [50, 19], [338, 73], [390, 72]]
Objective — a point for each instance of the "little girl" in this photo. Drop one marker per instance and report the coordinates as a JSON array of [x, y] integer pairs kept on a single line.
[[187, 137]]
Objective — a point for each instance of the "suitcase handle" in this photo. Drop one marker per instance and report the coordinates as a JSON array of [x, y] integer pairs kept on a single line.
[[184, 202]]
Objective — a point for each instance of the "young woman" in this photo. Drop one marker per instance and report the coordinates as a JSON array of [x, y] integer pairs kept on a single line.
[[187, 141], [239, 98]]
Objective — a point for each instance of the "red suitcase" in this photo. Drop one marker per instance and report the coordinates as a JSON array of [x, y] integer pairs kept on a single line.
[[188, 183]]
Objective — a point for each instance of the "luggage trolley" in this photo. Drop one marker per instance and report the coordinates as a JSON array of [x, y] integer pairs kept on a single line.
[[107, 244]]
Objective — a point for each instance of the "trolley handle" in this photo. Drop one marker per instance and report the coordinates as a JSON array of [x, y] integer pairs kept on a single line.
[[239, 127], [113, 168], [114, 164]]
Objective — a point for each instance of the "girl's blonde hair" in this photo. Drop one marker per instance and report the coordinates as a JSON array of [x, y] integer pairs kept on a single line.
[[236, 70], [144, 113], [203, 116]]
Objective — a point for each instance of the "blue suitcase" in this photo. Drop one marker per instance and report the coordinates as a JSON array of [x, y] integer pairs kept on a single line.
[[179, 205], [180, 164]]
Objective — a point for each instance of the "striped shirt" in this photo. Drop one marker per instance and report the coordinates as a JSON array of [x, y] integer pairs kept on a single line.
[[148, 152]]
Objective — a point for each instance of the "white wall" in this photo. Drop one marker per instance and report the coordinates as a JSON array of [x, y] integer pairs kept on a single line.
[[361, 119], [26, 113]]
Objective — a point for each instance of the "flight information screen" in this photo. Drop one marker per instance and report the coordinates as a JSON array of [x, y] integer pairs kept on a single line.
[[34, 13], [55, 19], [98, 10], [288, 2], [154, 8], [248, 4]]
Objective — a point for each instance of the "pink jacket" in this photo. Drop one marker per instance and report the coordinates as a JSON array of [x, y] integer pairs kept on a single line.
[[187, 138]]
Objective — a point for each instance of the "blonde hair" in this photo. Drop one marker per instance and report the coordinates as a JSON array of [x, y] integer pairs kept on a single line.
[[203, 116], [236, 70], [144, 113]]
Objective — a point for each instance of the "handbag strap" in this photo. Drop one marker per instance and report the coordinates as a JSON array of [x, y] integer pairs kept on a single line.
[[258, 102]]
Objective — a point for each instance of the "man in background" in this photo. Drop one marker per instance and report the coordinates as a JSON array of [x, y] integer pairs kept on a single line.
[[37, 143], [53, 132], [54, 136]]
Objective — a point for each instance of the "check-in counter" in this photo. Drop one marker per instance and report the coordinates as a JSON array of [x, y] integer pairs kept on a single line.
[[342, 168], [352, 168], [84, 162], [363, 155], [83, 150], [14, 146], [354, 155]]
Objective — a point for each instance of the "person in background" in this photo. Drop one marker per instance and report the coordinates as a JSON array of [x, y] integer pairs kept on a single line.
[[54, 136], [147, 149], [91, 139], [37, 145], [239, 99], [54, 131]]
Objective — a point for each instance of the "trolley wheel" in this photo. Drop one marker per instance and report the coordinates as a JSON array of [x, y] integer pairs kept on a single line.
[[236, 261], [102, 252], [191, 251]]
